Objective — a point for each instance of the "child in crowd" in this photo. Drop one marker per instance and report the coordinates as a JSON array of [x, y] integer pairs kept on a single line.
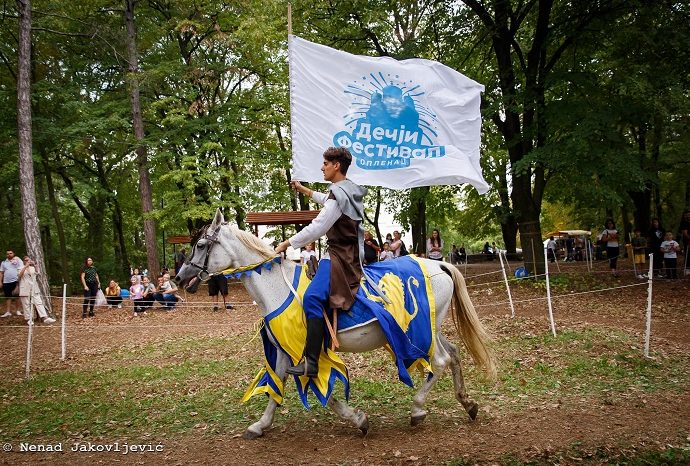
[[307, 253], [670, 248], [136, 293], [639, 244], [386, 254]]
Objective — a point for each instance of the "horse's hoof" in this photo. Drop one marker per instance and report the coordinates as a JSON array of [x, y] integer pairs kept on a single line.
[[418, 419], [474, 409], [251, 435], [364, 428]]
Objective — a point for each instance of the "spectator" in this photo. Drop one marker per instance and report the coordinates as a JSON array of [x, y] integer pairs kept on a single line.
[[113, 294], [371, 248], [610, 237], [136, 294], [136, 273], [147, 294], [218, 284], [639, 245], [551, 249], [454, 256], [434, 246], [167, 293], [670, 248], [305, 255], [9, 269], [396, 246], [655, 237], [180, 259], [462, 254], [486, 250], [386, 254], [91, 283], [570, 248], [389, 238], [30, 294]]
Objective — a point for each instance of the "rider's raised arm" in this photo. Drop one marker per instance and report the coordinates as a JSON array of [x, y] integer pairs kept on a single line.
[[319, 226], [319, 198]]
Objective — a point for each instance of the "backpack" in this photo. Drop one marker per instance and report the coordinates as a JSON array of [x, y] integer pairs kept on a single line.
[[403, 249]]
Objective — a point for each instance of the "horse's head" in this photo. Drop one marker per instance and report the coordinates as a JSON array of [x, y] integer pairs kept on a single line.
[[219, 247], [209, 255]]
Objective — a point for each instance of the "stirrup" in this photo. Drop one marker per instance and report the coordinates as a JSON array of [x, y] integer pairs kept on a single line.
[[301, 370]]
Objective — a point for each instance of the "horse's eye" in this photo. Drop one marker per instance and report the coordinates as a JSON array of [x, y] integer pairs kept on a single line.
[[201, 245]]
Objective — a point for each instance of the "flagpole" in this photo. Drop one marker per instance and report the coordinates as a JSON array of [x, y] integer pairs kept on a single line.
[[289, 19]]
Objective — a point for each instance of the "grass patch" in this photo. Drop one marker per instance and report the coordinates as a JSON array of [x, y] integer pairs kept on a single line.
[[200, 381]]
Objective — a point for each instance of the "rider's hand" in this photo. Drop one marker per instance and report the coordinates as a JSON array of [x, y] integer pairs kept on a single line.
[[297, 186], [282, 247]]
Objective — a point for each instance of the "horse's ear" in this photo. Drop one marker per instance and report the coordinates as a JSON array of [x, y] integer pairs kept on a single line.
[[218, 219]]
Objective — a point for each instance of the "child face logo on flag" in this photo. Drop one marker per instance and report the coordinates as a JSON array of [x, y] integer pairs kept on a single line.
[[388, 126]]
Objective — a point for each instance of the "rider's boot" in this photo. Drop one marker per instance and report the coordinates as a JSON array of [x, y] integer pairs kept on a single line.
[[310, 366]]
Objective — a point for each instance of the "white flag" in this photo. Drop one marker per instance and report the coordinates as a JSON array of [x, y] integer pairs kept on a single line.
[[407, 123]]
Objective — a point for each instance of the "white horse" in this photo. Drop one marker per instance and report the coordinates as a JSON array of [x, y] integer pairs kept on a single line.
[[222, 247]]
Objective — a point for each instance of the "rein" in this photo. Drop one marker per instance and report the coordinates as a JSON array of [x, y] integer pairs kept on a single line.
[[204, 275]]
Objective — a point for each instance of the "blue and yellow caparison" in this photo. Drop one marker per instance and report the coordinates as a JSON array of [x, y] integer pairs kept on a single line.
[[407, 321]]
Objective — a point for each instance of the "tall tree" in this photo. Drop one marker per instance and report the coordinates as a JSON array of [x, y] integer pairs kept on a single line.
[[145, 190], [32, 232]]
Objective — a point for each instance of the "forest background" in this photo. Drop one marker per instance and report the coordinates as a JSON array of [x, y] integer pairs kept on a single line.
[[586, 115]]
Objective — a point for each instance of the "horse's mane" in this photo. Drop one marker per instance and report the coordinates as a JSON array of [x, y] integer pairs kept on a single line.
[[253, 243]]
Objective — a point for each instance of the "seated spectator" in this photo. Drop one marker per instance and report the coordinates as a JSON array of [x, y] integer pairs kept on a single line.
[[29, 293], [167, 293], [462, 254], [112, 295], [454, 255], [386, 254], [148, 292], [136, 294], [486, 250]]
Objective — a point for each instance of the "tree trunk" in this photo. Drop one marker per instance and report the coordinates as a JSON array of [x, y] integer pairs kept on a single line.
[[418, 220], [142, 158], [27, 188], [64, 267]]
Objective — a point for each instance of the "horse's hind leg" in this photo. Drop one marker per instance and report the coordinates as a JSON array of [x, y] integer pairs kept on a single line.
[[257, 429], [439, 362], [458, 380], [358, 418]]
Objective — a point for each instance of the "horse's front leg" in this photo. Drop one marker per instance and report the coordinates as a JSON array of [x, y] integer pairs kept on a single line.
[[439, 362], [357, 417], [257, 429]]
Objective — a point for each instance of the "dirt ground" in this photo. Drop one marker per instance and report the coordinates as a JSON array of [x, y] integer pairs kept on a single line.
[[600, 426]]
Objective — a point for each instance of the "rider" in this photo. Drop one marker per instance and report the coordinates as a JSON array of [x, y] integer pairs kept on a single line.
[[337, 279]]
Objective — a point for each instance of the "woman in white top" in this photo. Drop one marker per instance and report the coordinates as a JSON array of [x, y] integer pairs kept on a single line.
[[610, 236], [29, 292], [434, 246]]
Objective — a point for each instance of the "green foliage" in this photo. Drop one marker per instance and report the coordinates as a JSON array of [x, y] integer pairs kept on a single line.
[[214, 92]]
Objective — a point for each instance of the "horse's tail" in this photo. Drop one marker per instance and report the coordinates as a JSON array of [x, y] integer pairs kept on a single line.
[[468, 325]]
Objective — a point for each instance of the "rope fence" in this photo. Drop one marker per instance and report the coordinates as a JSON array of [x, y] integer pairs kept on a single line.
[[73, 304]]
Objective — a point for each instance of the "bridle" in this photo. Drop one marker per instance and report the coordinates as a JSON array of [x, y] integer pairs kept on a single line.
[[211, 240], [204, 275]]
